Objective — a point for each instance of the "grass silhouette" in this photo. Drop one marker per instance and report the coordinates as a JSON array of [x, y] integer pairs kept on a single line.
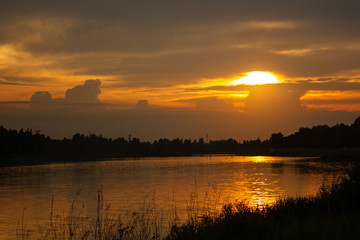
[[334, 213]]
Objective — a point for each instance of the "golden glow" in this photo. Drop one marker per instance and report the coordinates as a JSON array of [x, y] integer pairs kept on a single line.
[[45, 73], [268, 25], [25, 73], [259, 159], [36, 73], [332, 100], [256, 78], [330, 95], [294, 52]]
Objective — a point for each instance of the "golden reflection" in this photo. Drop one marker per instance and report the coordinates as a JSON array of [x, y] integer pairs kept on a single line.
[[261, 198], [256, 78], [258, 159]]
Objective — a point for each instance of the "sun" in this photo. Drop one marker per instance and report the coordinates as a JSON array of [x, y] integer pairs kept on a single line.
[[256, 78]]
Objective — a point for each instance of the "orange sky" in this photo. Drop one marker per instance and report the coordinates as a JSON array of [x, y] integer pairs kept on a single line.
[[179, 58]]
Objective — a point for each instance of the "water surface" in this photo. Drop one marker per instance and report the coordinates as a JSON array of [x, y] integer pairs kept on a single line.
[[170, 182]]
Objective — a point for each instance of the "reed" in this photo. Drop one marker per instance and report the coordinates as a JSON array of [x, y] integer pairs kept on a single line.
[[141, 225], [334, 213]]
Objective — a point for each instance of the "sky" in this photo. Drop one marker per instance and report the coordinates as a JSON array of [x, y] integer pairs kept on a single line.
[[159, 68]]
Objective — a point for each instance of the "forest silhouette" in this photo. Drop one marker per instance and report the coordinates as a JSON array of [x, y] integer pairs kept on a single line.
[[28, 147]]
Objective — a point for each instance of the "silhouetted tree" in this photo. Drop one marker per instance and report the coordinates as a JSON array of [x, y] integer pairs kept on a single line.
[[276, 140], [27, 144]]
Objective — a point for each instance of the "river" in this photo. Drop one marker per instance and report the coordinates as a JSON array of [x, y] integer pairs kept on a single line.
[[167, 182]]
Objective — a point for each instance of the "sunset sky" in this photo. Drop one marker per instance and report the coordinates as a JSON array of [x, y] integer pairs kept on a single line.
[[178, 68]]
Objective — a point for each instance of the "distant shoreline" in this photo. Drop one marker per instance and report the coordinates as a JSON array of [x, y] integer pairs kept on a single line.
[[323, 154], [24, 147]]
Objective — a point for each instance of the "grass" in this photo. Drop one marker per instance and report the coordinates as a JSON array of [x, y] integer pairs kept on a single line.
[[144, 224], [334, 213]]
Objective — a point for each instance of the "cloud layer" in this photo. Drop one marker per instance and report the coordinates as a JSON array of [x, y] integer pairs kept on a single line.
[[180, 57], [164, 44], [86, 95]]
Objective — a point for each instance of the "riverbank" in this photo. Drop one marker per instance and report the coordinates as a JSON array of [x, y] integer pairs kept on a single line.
[[25, 147], [339, 155], [334, 213]]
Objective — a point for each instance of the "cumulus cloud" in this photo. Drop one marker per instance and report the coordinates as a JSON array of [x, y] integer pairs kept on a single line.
[[140, 44], [268, 109], [40, 99], [41, 96], [273, 101], [78, 96], [86, 93], [142, 105]]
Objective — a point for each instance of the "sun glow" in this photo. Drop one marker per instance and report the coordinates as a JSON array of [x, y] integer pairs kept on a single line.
[[256, 78]]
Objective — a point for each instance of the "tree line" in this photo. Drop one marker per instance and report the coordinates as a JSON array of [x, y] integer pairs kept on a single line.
[[27, 144]]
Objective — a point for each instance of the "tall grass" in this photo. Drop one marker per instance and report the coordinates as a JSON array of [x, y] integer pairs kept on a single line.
[[334, 213], [141, 225]]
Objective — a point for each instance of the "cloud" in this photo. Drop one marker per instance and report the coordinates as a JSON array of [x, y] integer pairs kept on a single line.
[[86, 93], [142, 105], [151, 51], [2, 82], [154, 41], [80, 97], [274, 102], [271, 25], [267, 109], [41, 100], [214, 104], [41, 96], [152, 44], [332, 100], [294, 52]]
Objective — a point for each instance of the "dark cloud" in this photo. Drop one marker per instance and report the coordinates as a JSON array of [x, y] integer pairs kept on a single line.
[[9, 83], [268, 109], [81, 97], [41, 100], [326, 102], [15, 102], [330, 86], [213, 104], [41, 96], [300, 86], [169, 123], [142, 105], [86, 93], [202, 9], [162, 43], [21, 81]]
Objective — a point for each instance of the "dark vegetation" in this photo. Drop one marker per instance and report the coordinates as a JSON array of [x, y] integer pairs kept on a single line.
[[333, 214], [26, 147]]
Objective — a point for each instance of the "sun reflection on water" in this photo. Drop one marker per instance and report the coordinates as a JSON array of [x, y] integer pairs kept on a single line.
[[214, 180], [258, 159], [261, 185]]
